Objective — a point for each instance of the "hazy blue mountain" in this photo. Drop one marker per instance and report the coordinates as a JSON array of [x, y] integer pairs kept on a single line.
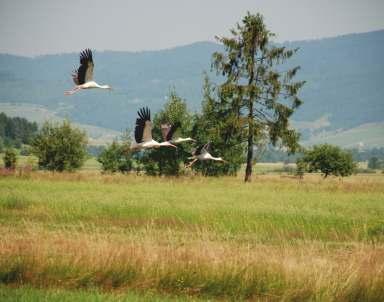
[[344, 81], [138, 79]]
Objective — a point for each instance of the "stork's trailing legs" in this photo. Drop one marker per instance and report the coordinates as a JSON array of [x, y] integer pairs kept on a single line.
[[191, 163], [70, 92]]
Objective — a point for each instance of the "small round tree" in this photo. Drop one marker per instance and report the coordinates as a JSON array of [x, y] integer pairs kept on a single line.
[[116, 158], [10, 158], [60, 147], [327, 159], [374, 163]]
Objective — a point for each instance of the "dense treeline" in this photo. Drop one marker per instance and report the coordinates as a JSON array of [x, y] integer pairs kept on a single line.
[[15, 131], [272, 155]]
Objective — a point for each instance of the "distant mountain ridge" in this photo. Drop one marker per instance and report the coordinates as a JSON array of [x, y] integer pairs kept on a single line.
[[344, 81]]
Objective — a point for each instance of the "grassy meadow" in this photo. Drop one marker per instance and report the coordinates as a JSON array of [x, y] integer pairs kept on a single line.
[[87, 236]]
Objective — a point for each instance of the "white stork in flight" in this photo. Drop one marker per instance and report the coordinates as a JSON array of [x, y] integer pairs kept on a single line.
[[201, 153], [167, 130], [143, 132], [83, 77]]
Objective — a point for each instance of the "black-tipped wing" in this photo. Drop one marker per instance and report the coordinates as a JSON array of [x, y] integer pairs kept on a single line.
[[143, 129], [201, 149], [85, 72], [168, 130]]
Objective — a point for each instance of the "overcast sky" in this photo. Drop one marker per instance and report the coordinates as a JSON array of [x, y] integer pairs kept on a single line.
[[33, 27]]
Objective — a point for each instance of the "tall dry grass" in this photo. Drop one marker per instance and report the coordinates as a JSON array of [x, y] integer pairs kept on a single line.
[[277, 239], [195, 266]]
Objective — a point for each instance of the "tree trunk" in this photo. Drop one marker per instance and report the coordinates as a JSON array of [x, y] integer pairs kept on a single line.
[[248, 170]]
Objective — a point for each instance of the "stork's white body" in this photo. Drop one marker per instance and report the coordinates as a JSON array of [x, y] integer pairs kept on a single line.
[[150, 144], [87, 85], [203, 155], [182, 140], [93, 84], [207, 156]]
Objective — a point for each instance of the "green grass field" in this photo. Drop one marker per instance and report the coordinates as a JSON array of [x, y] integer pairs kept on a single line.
[[85, 236]]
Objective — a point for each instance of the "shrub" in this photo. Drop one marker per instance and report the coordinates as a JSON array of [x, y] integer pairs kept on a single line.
[[60, 147], [10, 159], [2, 145], [300, 168], [116, 158]]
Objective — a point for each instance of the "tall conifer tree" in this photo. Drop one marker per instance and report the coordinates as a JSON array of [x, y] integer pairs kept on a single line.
[[262, 93]]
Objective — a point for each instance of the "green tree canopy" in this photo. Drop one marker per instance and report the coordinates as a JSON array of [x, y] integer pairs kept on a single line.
[[60, 147], [327, 159], [220, 126], [258, 92]]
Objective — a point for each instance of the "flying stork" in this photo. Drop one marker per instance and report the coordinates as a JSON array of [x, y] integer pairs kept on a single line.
[[167, 130], [143, 132], [201, 153], [83, 77]]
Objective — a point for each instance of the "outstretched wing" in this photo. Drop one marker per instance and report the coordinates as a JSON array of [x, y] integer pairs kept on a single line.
[[168, 130], [85, 72], [143, 129], [165, 128], [201, 149]]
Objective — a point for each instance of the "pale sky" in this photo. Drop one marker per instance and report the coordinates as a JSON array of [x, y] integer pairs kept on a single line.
[[34, 27]]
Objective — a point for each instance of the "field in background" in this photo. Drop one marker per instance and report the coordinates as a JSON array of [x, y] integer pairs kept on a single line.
[[91, 164], [88, 235], [40, 114]]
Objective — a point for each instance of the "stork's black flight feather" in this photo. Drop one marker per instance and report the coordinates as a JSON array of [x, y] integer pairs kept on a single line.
[[200, 148], [168, 130], [173, 129], [144, 116], [85, 71]]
